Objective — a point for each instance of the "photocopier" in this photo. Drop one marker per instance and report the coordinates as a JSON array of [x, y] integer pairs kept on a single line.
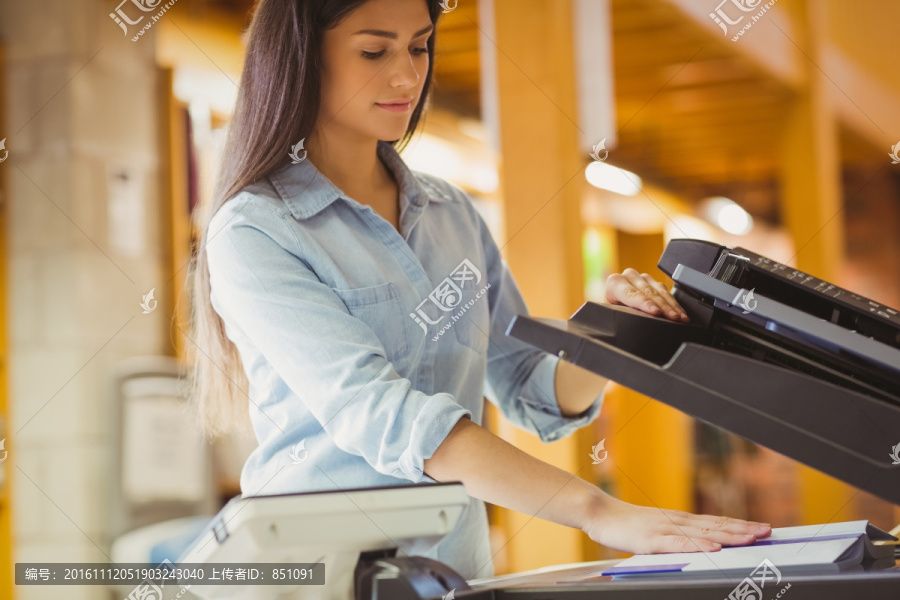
[[771, 354]]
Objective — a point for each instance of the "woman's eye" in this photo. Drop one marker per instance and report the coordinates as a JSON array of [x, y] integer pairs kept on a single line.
[[374, 55]]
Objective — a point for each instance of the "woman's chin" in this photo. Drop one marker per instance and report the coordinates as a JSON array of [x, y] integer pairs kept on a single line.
[[391, 133]]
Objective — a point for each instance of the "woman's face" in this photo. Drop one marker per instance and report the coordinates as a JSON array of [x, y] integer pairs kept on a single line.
[[376, 57]]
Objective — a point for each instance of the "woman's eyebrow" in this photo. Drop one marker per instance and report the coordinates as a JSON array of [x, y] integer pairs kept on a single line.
[[393, 34]]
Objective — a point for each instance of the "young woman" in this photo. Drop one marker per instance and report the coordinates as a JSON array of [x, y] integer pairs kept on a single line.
[[364, 305]]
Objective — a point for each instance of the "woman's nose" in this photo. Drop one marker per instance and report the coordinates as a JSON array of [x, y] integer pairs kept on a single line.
[[406, 73]]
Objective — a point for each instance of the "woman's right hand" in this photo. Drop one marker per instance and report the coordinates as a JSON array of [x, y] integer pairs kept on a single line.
[[645, 530]]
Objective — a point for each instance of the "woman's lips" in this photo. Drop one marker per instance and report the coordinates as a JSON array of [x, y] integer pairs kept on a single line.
[[396, 107]]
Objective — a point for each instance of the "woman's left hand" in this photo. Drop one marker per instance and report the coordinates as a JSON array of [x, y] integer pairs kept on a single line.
[[639, 290]]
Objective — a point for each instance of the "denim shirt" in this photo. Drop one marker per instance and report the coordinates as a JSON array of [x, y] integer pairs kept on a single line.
[[363, 346]]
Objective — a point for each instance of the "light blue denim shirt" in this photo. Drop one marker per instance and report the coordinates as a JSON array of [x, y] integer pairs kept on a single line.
[[363, 346]]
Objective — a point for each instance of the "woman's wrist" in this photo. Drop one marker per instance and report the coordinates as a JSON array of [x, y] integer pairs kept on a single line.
[[593, 503]]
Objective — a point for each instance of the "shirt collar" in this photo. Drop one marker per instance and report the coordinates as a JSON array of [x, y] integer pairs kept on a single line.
[[306, 191]]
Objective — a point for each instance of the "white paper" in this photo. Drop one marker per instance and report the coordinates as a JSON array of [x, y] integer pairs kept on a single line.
[[805, 554]]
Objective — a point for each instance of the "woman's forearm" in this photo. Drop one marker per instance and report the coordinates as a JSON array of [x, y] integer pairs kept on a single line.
[[495, 471], [576, 388]]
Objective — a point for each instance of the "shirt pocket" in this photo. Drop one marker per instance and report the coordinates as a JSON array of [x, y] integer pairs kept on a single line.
[[379, 307]]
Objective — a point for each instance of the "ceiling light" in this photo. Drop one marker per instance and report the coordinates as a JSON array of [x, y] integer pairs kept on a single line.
[[727, 215], [613, 179]]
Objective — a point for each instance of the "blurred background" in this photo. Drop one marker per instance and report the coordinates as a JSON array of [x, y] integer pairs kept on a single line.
[[774, 137]]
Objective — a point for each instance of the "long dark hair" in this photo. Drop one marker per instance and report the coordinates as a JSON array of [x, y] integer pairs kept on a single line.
[[277, 104]]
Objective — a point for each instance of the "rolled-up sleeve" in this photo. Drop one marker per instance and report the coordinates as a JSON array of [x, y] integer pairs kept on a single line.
[[334, 362], [521, 379]]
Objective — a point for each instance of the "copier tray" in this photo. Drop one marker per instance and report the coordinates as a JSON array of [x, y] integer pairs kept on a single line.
[[773, 371]]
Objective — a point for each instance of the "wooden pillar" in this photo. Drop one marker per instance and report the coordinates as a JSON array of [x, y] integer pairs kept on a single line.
[[812, 210], [651, 443], [6, 428], [527, 58], [175, 214]]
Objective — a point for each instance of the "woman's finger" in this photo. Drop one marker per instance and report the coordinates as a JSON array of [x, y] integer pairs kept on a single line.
[[645, 297], [617, 286], [671, 302], [681, 543], [670, 305], [720, 523], [712, 534]]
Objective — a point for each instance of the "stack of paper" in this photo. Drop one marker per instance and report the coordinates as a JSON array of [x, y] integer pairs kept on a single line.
[[809, 548]]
